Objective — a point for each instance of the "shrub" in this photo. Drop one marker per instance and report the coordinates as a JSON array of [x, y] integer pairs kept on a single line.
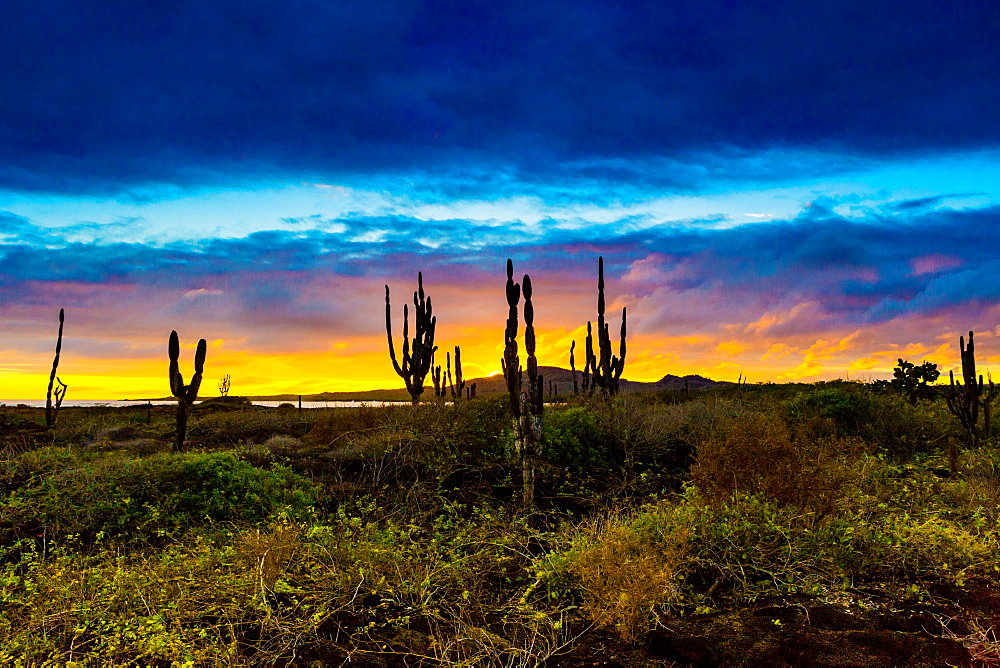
[[229, 427], [759, 455], [570, 438], [625, 569], [140, 499], [849, 406], [331, 427]]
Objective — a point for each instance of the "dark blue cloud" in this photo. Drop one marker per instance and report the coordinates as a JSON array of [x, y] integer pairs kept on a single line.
[[109, 96]]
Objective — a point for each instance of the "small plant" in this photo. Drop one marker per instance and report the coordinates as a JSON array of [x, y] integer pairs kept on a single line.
[[418, 356], [52, 410], [224, 386], [140, 498], [186, 394]]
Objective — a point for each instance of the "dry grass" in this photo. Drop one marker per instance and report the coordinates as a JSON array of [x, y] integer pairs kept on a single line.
[[625, 574], [761, 456]]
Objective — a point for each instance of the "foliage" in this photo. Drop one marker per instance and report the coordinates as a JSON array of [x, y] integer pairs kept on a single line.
[[914, 381], [625, 570], [570, 438], [393, 535], [761, 456], [139, 499], [231, 427]]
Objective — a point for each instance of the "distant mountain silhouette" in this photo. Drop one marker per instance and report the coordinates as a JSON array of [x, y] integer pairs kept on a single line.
[[561, 382]]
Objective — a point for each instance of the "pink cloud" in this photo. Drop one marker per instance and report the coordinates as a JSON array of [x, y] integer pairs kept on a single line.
[[933, 263]]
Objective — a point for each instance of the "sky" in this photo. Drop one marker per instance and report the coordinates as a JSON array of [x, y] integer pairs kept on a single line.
[[787, 191]]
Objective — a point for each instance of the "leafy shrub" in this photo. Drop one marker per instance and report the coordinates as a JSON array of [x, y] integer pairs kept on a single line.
[[570, 437], [140, 499], [886, 420], [849, 406], [759, 455]]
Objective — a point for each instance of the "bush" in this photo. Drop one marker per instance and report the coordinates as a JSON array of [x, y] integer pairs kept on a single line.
[[850, 407], [229, 427], [759, 455], [624, 568], [164, 494], [570, 438]]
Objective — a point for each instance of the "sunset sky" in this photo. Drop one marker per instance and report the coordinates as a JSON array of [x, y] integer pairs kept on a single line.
[[785, 190]]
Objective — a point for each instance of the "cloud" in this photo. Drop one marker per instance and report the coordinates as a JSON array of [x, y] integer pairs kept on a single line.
[[104, 98], [782, 293]]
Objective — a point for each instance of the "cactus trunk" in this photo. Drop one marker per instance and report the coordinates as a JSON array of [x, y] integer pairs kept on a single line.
[[52, 410]]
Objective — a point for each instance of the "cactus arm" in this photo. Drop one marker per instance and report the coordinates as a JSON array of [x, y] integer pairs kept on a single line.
[[191, 394], [388, 334]]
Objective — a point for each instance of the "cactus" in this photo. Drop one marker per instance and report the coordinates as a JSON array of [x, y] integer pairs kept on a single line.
[[459, 386], [964, 401], [510, 363], [186, 394], [224, 386], [418, 356], [525, 406], [52, 411], [437, 379], [536, 385], [605, 368], [572, 367]]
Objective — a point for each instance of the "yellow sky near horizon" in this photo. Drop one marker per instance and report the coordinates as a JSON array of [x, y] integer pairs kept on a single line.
[[363, 364]]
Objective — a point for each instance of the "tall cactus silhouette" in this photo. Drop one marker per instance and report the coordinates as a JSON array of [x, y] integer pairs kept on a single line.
[[186, 394], [59, 392], [965, 401], [526, 407], [605, 367], [417, 355], [458, 387], [572, 367], [440, 390]]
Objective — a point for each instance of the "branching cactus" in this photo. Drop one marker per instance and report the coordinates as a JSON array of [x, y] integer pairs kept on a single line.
[[965, 401], [186, 394], [605, 367], [417, 355], [525, 406], [437, 379], [59, 392]]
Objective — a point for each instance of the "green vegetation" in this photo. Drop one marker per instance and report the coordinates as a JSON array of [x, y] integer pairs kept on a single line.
[[779, 525]]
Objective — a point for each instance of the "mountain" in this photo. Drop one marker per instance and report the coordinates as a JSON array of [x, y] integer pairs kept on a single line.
[[556, 380]]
